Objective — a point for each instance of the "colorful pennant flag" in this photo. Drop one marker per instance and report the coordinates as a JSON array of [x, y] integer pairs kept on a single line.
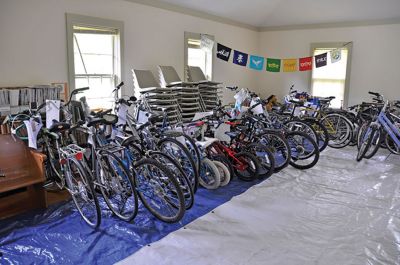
[[289, 65], [223, 52], [321, 60], [305, 64], [273, 65], [240, 58], [336, 55], [257, 62]]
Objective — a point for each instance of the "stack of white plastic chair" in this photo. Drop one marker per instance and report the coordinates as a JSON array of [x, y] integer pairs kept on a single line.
[[156, 97], [210, 91], [188, 92]]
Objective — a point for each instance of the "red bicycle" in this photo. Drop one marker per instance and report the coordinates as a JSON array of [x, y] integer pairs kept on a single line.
[[243, 164]]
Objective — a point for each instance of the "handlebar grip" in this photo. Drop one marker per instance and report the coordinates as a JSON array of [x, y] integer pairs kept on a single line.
[[123, 101], [79, 90], [120, 85], [374, 93]]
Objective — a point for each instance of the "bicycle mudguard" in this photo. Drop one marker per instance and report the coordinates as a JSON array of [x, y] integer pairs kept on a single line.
[[129, 140]]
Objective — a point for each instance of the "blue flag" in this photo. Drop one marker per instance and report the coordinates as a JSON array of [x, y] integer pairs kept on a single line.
[[240, 58], [257, 62]]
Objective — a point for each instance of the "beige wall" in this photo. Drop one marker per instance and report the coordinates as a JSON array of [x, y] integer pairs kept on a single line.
[[33, 39], [33, 46], [375, 60]]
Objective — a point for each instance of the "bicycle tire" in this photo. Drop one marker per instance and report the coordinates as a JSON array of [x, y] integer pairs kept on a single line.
[[179, 174], [223, 159], [294, 158], [322, 133], [189, 167], [88, 185], [224, 173], [345, 139], [160, 174], [251, 161], [265, 157], [366, 143], [375, 144], [119, 172], [209, 175], [279, 147]]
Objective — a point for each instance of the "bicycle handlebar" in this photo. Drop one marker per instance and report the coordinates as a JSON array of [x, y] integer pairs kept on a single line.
[[374, 94]]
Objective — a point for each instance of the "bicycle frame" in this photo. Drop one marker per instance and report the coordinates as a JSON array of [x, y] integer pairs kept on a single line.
[[388, 126]]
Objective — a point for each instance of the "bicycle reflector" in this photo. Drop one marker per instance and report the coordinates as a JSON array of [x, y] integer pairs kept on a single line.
[[63, 161], [79, 156]]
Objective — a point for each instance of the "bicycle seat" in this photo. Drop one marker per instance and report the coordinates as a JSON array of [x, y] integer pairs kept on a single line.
[[59, 127], [206, 143], [95, 121]]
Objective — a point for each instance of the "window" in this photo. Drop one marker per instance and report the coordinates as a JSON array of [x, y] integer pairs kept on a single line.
[[332, 79], [96, 58], [196, 56]]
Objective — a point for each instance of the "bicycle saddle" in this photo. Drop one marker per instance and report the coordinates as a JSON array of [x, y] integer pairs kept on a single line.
[[95, 121], [206, 143], [59, 127]]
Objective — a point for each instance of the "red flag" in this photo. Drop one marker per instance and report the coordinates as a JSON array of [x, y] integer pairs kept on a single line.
[[305, 64]]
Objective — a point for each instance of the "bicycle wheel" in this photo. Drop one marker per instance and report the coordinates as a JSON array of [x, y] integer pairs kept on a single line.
[[322, 133], [178, 151], [250, 167], [82, 192], [190, 144], [301, 126], [209, 175], [366, 142], [265, 157], [159, 190], [225, 161], [279, 147], [391, 145], [339, 129], [224, 173], [116, 186], [179, 175], [304, 150], [375, 144]]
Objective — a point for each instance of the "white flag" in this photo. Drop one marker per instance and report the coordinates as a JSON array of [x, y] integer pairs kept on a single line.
[[336, 55], [206, 43]]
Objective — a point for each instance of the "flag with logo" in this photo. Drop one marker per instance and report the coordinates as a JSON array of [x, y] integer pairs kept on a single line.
[[223, 52], [289, 65], [257, 62], [336, 55], [305, 64], [240, 58], [321, 60], [273, 65]]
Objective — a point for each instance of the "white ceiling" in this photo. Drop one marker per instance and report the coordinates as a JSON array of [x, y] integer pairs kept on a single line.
[[277, 13]]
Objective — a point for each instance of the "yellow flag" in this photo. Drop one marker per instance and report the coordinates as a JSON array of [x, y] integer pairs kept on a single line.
[[289, 65]]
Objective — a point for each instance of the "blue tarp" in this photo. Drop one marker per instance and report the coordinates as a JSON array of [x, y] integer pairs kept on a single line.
[[58, 235]]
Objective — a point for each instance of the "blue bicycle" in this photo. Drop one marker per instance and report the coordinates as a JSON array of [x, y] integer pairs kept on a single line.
[[384, 125]]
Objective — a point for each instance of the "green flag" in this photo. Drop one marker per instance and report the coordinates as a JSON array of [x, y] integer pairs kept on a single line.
[[273, 65]]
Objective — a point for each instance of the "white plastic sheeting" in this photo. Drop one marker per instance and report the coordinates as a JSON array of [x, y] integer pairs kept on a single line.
[[339, 212]]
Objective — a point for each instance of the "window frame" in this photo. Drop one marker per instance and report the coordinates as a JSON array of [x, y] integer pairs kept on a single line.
[[192, 35], [349, 46], [94, 22]]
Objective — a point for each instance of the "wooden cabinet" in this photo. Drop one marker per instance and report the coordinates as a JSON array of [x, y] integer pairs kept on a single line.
[[22, 187]]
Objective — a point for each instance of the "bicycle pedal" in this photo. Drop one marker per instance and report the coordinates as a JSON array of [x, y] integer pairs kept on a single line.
[[50, 185]]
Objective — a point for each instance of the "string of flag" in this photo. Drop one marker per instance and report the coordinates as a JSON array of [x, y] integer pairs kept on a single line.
[[276, 65]]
